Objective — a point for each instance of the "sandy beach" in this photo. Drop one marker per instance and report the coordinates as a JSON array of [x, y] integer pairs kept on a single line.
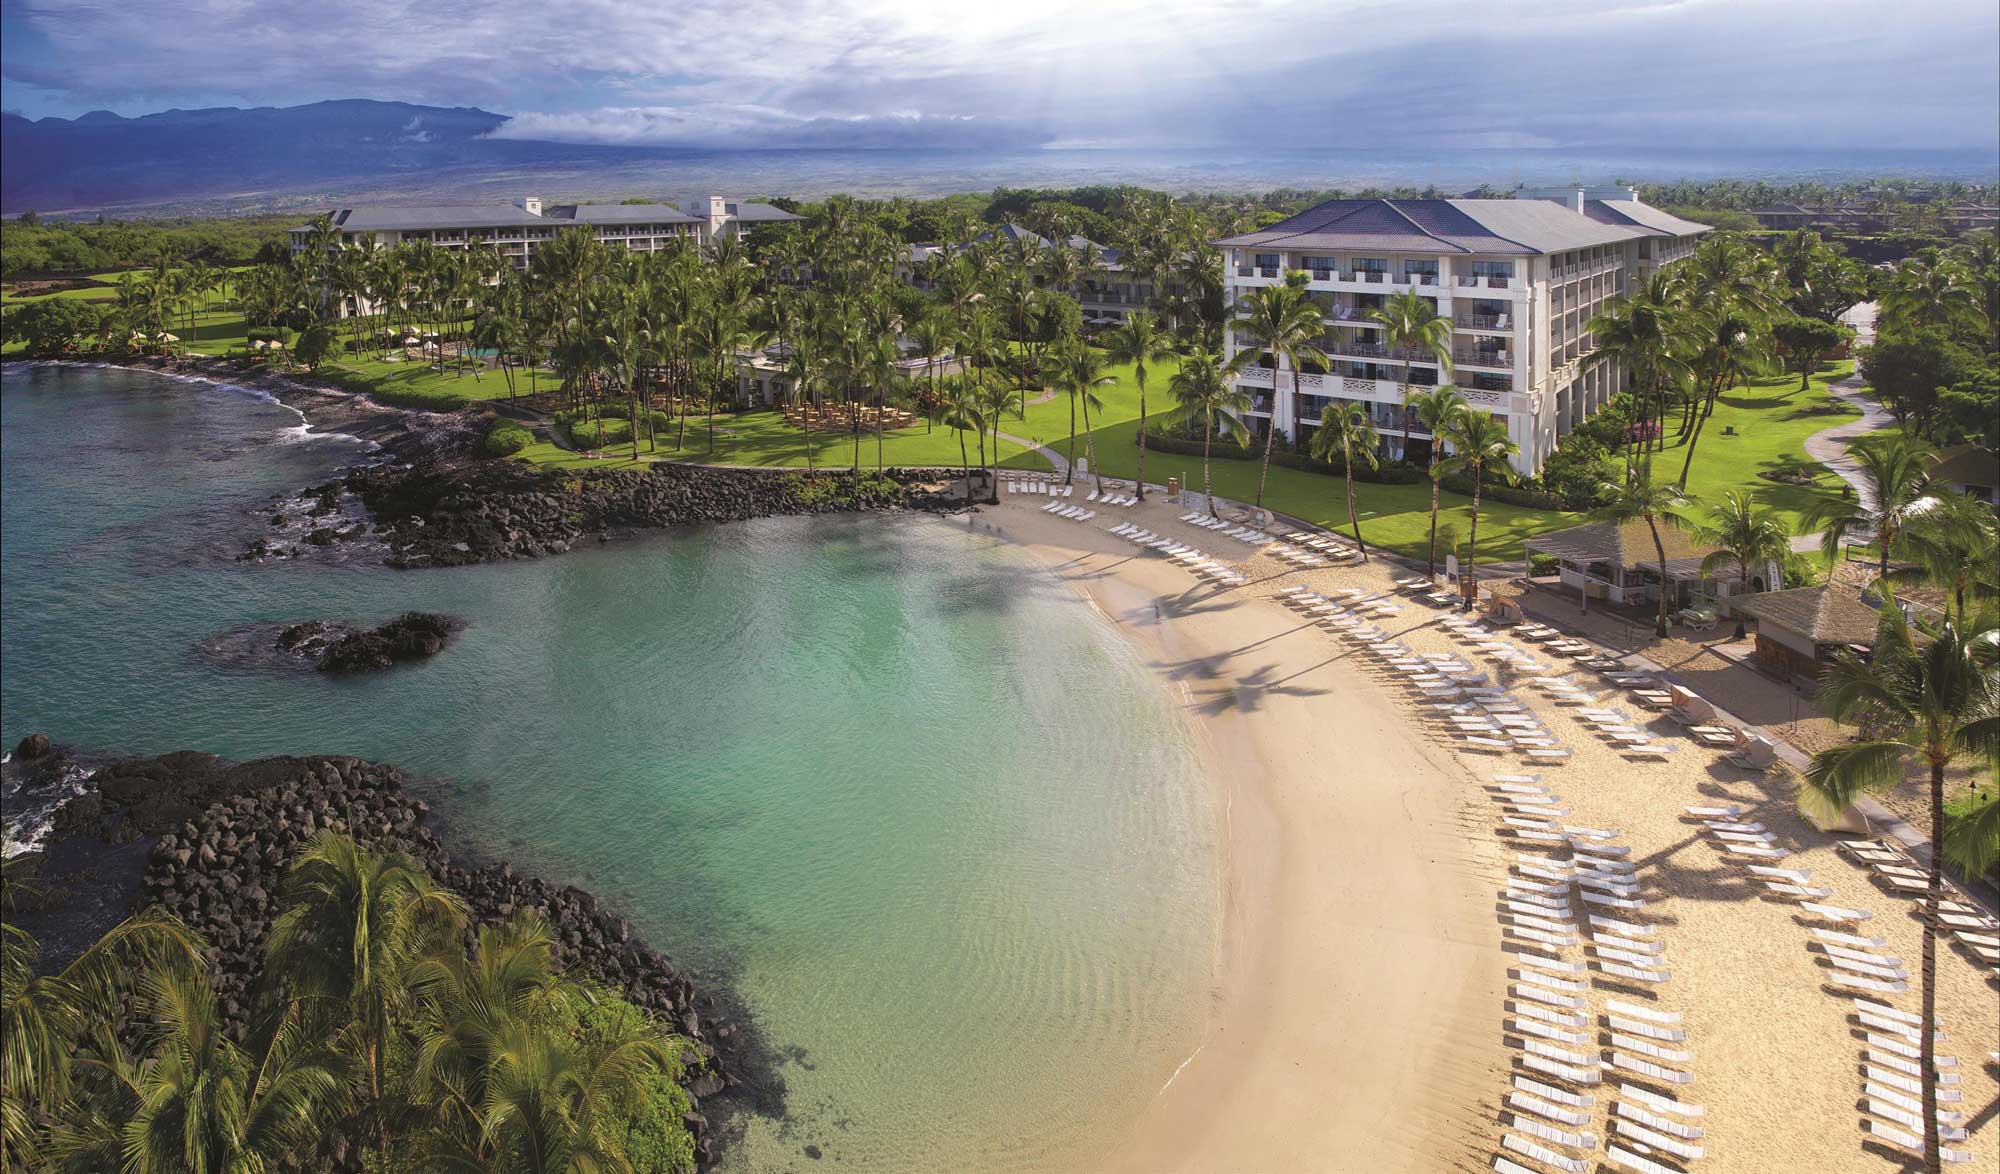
[[1360, 1019]]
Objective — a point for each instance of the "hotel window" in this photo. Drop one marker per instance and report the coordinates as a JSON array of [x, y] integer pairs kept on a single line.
[[1420, 272], [1267, 260], [1323, 268]]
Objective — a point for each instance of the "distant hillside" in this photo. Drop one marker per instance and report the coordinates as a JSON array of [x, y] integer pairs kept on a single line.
[[100, 159]]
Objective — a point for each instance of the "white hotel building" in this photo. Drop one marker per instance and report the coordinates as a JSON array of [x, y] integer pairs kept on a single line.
[[1518, 278], [517, 230]]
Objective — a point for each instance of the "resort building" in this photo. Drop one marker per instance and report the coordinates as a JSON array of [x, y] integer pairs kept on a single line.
[[518, 230], [1106, 296], [1518, 278], [1970, 470]]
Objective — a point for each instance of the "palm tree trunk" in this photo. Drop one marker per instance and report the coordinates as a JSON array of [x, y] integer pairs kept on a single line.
[[965, 469], [1072, 439], [1271, 433], [1354, 519], [1139, 482], [1207, 481], [1660, 548], [1470, 589], [1431, 558], [1090, 446], [1927, 1030]]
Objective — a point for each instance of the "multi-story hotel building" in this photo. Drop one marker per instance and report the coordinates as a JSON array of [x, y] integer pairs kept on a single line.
[[517, 230], [1518, 278]]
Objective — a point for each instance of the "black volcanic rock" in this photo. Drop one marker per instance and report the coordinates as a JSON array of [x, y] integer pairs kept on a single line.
[[441, 514], [410, 636]]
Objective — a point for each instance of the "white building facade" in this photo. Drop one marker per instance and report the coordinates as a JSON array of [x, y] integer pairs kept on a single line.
[[1518, 278], [518, 230]]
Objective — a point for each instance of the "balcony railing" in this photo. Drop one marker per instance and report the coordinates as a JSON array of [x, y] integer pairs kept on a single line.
[[1368, 276], [1486, 281], [1256, 271], [1420, 278], [1476, 357], [1483, 321]]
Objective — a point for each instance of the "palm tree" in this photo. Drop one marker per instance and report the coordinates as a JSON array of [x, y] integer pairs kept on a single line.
[[1950, 542], [1139, 341], [1895, 486], [1934, 700], [1479, 443], [1746, 534], [551, 1104], [1202, 391], [961, 410], [802, 371], [995, 398], [1079, 369], [1731, 349], [1640, 498], [1647, 335], [354, 924], [1436, 410], [1347, 428], [1931, 289], [1411, 326], [1283, 321]]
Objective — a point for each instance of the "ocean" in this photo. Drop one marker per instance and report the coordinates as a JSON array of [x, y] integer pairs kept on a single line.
[[915, 805]]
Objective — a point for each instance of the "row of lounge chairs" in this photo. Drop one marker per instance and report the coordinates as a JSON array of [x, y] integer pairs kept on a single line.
[[1227, 528], [1196, 561], [1972, 927], [1566, 1050], [1047, 488], [1892, 1078], [1072, 512]]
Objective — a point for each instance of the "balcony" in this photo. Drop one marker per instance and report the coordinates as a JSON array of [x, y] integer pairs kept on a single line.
[[1265, 271], [1420, 278], [1367, 276], [1484, 322], [1482, 357], [1486, 281], [1255, 377]]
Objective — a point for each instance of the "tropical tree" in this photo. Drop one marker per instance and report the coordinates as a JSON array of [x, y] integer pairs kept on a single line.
[[1931, 289], [1411, 326], [1895, 485], [1656, 505], [1729, 348], [1646, 334], [1479, 444], [1140, 341], [1203, 391], [995, 397], [962, 410], [1349, 430], [1282, 321], [1928, 694], [1949, 542], [1079, 371], [1438, 411], [1745, 534], [354, 925]]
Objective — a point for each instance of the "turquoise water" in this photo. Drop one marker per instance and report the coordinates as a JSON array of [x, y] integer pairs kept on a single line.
[[923, 810]]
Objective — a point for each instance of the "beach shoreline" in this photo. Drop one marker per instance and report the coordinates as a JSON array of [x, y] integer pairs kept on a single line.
[[1342, 951], [1359, 1020]]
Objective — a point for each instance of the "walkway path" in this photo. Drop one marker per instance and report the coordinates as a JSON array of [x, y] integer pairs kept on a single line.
[[1829, 446]]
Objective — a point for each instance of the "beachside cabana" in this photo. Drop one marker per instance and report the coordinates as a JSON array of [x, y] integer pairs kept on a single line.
[[1800, 630], [1616, 562]]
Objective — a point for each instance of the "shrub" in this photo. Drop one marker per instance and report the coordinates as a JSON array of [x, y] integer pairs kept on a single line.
[[599, 433], [313, 346], [1388, 473], [506, 438]]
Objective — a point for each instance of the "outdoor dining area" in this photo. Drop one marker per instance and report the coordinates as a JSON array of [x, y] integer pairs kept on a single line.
[[848, 417]]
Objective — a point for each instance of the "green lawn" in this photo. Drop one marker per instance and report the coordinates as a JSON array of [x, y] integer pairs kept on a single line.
[[1760, 427]]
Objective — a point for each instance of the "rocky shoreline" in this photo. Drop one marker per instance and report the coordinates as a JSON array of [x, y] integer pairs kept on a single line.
[[450, 514], [216, 838]]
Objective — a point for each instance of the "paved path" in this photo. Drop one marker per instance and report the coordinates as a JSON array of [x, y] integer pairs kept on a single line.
[[1829, 446]]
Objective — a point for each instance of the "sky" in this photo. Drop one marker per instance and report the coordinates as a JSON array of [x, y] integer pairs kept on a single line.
[[1062, 73]]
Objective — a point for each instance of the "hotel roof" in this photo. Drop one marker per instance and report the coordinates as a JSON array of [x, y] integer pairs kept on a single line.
[[422, 218], [1525, 226], [1824, 615]]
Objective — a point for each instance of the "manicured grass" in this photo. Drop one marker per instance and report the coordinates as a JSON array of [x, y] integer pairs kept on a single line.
[[763, 438], [1761, 427]]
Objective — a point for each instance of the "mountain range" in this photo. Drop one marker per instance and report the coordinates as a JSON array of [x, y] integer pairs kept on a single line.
[[103, 160]]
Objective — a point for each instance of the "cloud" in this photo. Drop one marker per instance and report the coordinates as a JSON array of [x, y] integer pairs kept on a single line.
[[1279, 73], [719, 127]]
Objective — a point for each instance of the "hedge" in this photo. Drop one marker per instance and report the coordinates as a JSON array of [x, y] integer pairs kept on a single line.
[[1533, 499], [599, 433], [1388, 473], [507, 438]]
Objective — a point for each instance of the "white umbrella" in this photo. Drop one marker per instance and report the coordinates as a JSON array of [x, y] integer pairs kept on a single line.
[[258, 345], [410, 341], [165, 337]]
